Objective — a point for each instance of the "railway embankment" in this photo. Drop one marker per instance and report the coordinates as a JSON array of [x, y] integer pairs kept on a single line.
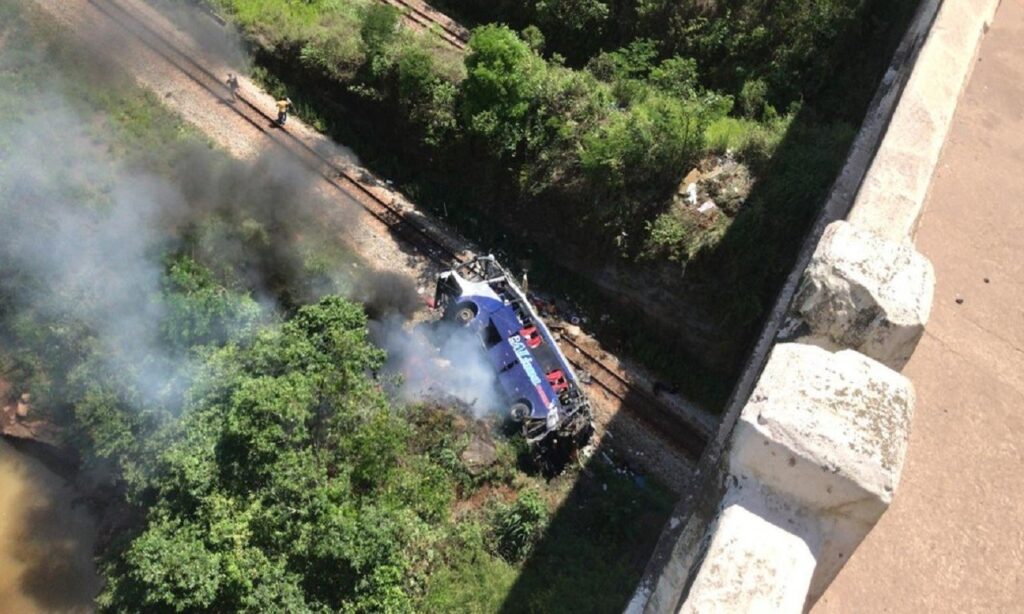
[[812, 445]]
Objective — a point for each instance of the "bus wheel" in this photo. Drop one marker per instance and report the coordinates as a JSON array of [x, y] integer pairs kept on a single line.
[[519, 411], [464, 314]]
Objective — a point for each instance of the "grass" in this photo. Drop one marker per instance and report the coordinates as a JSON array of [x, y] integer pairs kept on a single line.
[[326, 33], [42, 61], [592, 552]]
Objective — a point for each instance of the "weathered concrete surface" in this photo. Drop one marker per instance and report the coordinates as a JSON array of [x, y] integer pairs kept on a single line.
[[890, 199], [829, 433], [812, 466], [829, 430], [763, 551], [867, 293], [953, 540]]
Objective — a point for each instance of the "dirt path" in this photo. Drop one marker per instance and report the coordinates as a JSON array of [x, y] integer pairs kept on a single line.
[[364, 235], [953, 540]]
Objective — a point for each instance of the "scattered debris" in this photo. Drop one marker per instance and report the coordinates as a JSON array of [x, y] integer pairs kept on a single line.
[[707, 207], [720, 180]]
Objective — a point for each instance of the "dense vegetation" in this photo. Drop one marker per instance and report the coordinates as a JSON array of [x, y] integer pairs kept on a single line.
[[562, 137], [195, 352]]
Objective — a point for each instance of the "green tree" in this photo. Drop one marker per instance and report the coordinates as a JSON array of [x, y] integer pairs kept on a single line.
[[288, 483], [379, 28], [575, 15], [200, 311], [503, 79]]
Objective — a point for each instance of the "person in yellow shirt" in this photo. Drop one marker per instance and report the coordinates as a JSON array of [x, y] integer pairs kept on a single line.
[[283, 106]]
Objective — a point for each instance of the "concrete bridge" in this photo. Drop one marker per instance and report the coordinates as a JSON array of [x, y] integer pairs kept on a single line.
[[837, 417]]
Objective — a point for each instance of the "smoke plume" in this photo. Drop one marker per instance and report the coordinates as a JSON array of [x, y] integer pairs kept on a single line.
[[94, 264], [84, 236], [439, 362]]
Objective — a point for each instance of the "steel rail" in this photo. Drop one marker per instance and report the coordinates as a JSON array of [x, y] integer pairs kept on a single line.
[[425, 19], [648, 408]]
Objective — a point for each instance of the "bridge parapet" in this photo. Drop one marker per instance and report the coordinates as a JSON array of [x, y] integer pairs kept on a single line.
[[812, 442]]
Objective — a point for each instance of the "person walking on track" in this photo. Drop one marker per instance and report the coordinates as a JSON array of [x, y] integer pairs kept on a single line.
[[233, 86], [283, 106]]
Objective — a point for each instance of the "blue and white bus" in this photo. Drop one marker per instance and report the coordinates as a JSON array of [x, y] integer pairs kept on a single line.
[[541, 388]]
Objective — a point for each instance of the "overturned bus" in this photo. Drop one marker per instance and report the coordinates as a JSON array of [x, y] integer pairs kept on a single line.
[[542, 390]]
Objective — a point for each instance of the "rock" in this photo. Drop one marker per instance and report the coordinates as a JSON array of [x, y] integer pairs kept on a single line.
[[479, 455], [729, 186], [828, 433], [572, 331], [866, 293]]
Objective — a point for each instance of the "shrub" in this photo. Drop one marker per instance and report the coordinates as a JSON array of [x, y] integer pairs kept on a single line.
[[752, 98], [517, 526], [503, 79]]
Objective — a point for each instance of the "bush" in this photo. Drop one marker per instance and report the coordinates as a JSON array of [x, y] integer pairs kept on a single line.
[[517, 526], [503, 81], [645, 144], [752, 98]]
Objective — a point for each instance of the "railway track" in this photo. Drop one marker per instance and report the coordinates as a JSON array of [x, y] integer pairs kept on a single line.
[[453, 36], [671, 427], [339, 177], [664, 421]]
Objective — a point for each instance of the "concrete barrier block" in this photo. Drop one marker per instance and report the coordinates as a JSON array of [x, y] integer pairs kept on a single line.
[[828, 432], [867, 293], [761, 556]]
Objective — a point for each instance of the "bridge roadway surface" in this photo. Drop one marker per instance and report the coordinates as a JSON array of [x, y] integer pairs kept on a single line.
[[953, 540]]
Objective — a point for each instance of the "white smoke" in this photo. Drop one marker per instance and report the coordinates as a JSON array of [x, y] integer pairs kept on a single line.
[[83, 237], [439, 362], [98, 264]]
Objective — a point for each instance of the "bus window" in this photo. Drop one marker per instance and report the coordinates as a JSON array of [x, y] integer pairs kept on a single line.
[[490, 335]]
